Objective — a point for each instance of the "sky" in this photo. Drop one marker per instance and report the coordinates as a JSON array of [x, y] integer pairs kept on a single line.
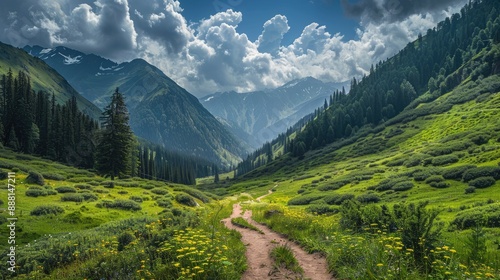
[[222, 45]]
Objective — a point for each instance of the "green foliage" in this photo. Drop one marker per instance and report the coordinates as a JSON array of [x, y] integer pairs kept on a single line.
[[456, 173], [334, 185], [83, 186], [136, 198], [120, 204], [482, 182], [283, 257], [470, 190], [46, 210], [337, 199], [390, 183], [444, 160], [3, 174], [240, 222], [65, 189], [482, 171], [402, 186], [35, 191], [75, 197], [124, 239], [89, 197], [305, 199], [321, 209], [476, 245], [185, 199], [194, 193], [488, 216], [163, 202], [159, 191], [53, 176], [35, 178], [368, 198]]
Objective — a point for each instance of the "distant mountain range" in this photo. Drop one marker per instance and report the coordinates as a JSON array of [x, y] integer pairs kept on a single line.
[[260, 116], [43, 77], [160, 110]]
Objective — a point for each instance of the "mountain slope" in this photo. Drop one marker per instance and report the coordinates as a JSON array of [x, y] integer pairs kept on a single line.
[[265, 114], [43, 77], [160, 110]]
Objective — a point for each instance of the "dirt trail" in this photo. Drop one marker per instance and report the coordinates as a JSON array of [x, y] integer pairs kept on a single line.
[[260, 264]]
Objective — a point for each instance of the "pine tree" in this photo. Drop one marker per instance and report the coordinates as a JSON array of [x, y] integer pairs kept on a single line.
[[115, 140]]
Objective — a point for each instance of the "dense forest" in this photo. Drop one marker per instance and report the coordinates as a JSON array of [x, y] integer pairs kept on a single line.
[[393, 84], [33, 123]]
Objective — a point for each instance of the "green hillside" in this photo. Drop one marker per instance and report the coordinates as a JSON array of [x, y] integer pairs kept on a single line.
[[43, 77]]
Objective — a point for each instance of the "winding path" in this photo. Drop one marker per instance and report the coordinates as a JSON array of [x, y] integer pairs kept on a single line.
[[260, 264]]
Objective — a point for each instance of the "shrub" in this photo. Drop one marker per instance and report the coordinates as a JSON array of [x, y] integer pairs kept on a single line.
[[108, 184], [46, 210], [434, 179], [165, 202], [65, 189], [388, 184], [124, 239], [483, 171], [439, 185], [101, 191], [337, 199], [479, 139], [402, 186], [35, 191], [49, 190], [456, 173], [368, 198], [3, 174], [482, 182], [305, 199], [122, 192], [159, 191], [444, 160], [185, 199], [136, 198], [35, 178], [75, 197], [321, 209], [54, 176], [147, 187], [83, 186], [89, 196], [120, 204], [195, 193], [470, 190], [488, 215], [334, 185], [421, 175]]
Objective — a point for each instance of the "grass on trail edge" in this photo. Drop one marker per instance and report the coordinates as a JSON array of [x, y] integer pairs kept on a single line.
[[242, 223]]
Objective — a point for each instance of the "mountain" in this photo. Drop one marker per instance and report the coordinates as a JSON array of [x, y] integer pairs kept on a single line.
[[160, 110], [261, 115], [43, 77]]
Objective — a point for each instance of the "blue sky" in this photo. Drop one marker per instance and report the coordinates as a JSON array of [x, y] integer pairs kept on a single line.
[[300, 13], [222, 45]]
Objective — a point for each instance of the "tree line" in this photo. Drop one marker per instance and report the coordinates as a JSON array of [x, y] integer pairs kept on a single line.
[[38, 124]]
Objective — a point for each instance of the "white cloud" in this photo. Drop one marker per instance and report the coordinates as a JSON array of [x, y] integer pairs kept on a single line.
[[209, 55]]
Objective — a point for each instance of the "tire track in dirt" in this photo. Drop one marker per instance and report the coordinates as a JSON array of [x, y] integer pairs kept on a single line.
[[259, 246]]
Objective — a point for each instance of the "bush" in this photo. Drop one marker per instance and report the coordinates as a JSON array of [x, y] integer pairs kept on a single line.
[[334, 186], [49, 190], [434, 179], [439, 185], [479, 139], [368, 198], [444, 160], [35, 191], [3, 174], [337, 199], [185, 199], [305, 199], [159, 191], [54, 176], [83, 186], [136, 198], [321, 209], [470, 218], [124, 239], [456, 173], [390, 183], [402, 186], [46, 210], [195, 193], [89, 196], [421, 175], [35, 178], [75, 197], [122, 192], [120, 204], [108, 184], [101, 191], [483, 171], [65, 189], [470, 190], [482, 182], [165, 202]]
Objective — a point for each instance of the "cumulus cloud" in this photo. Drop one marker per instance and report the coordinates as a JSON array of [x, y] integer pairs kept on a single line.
[[274, 29], [394, 10], [212, 55]]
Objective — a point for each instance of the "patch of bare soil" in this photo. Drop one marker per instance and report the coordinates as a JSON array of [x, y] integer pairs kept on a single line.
[[259, 246]]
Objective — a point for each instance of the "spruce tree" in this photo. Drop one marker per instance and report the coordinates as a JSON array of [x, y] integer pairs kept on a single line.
[[115, 140]]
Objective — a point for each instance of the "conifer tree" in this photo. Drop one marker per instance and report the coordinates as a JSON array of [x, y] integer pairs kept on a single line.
[[115, 140]]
